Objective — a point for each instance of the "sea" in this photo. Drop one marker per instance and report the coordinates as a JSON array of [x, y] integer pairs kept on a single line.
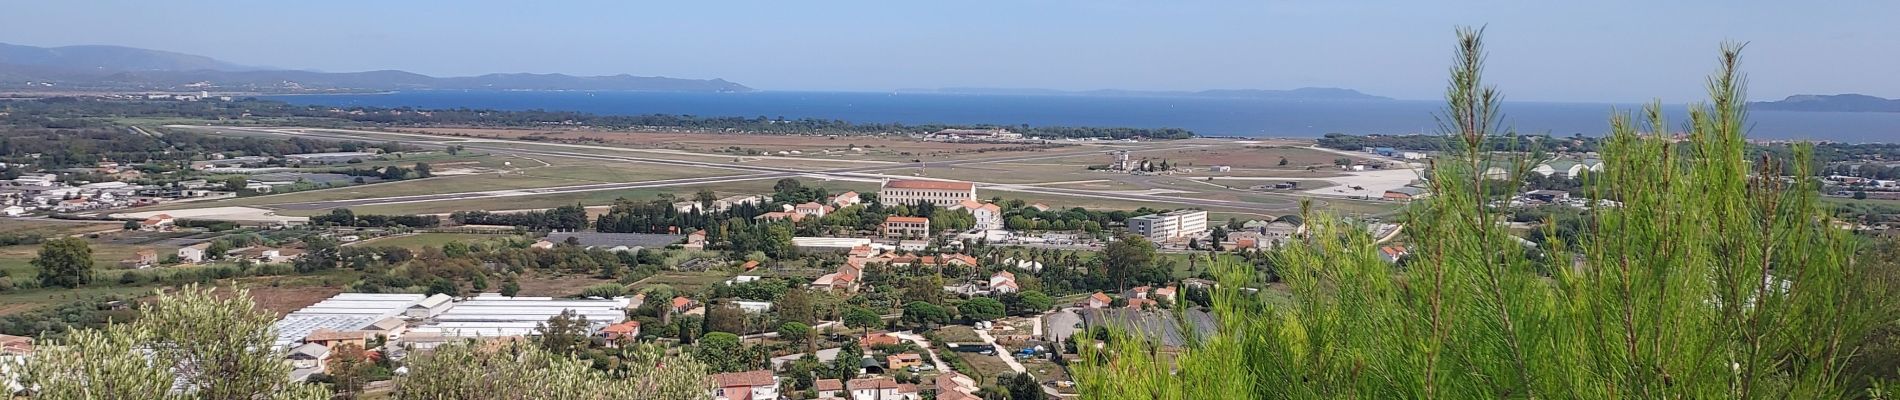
[[1205, 116]]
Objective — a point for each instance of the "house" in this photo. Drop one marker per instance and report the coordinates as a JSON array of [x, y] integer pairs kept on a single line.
[[836, 281], [625, 330], [1392, 254], [310, 357], [15, 345], [1166, 293], [193, 253], [160, 222], [846, 199], [1138, 292], [332, 338], [988, 216], [873, 341], [682, 303], [390, 328], [144, 258], [828, 388], [880, 389], [744, 278], [906, 227], [1023, 264], [912, 191], [543, 244], [696, 240], [812, 209], [955, 386], [1406, 193], [1099, 300], [903, 360], [780, 216], [749, 385], [1199, 283], [430, 307], [1140, 303], [749, 266], [1003, 282]]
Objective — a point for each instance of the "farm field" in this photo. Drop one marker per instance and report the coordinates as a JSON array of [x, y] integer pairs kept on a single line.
[[52, 227]]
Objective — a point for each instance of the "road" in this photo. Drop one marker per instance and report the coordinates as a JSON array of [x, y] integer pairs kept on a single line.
[[867, 173]]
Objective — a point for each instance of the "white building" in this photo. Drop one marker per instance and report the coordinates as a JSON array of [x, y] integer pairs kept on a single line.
[[13, 211], [988, 216], [193, 253], [757, 307], [938, 193], [1170, 225], [430, 307]]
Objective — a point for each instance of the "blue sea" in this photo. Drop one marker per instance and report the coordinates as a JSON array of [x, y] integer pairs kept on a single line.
[[1205, 116]]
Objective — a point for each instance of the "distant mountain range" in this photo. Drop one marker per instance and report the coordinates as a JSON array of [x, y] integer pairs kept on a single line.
[[1836, 102], [105, 68], [1308, 93]]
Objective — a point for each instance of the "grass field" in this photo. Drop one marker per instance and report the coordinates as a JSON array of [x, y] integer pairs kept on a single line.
[[877, 147], [685, 282], [47, 227]]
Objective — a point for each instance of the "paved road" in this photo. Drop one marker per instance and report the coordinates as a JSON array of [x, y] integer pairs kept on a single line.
[[759, 172]]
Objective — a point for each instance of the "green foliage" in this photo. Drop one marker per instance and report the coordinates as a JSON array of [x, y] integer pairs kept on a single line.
[[217, 348], [563, 334], [1130, 259], [981, 309], [721, 352], [605, 291], [862, 318], [1029, 302], [1714, 279], [486, 371], [64, 262], [921, 314], [798, 333]]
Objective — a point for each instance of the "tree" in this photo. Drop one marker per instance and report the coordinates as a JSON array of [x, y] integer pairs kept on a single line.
[[1282, 161], [1860, 195], [218, 347], [1691, 288], [235, 184], [478, 371], [564, 334], [862, 318], [721, 352], [787, 185], [796, 306], [726, 318], [510, 288], [981, 309], [605, 291], [920, 314], [1126, 257], [64, 262], [349, 367], [848, 362], [320, 254], [1021, 387], [441, 285], [422, 170], [798, 333], [1030, 302]]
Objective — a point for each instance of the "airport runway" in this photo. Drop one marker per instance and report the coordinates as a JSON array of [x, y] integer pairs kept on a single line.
[[756, 172]]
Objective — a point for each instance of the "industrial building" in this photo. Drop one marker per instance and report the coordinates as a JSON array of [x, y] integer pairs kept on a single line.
[[494, 315], [343, 312]]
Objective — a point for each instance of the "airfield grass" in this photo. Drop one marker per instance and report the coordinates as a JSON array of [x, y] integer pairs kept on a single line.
[[50, 228]]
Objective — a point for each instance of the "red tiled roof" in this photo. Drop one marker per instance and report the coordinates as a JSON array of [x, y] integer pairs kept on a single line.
[[913, 220], [872, 383], [624, 328], [761, 377], [682, 302], [749, 265], [1100, 297], [929, 185], [878, 339], [826, 385]]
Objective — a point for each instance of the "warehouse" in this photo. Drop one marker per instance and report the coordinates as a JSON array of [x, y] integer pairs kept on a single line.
[[343, 312]]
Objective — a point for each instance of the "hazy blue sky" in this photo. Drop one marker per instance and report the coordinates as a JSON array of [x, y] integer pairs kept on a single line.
[[1604, 50]]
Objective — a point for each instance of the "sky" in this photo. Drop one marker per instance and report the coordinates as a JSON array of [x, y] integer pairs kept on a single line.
[[1577, 51]]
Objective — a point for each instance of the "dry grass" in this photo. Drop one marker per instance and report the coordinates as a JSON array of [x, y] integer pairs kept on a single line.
[[874, 146]]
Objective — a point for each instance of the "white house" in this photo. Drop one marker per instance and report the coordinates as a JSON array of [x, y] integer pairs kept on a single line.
[[193, 253], [988, 216], [1003, 282]]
